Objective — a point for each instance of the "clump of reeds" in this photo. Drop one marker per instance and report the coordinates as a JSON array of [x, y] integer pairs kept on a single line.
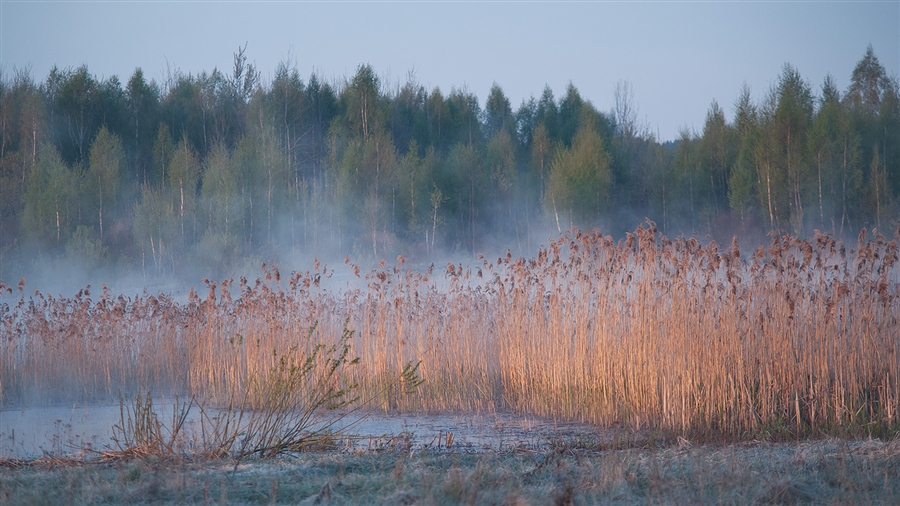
[[304, 401], [797, 337]]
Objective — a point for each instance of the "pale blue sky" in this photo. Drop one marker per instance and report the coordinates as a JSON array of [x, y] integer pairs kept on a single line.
[[678, 56]]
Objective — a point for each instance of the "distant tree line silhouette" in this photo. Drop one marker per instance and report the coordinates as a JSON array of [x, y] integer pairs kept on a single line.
[[219, 166]]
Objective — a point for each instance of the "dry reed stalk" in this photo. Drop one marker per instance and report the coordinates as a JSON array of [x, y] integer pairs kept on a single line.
[[800, 337]]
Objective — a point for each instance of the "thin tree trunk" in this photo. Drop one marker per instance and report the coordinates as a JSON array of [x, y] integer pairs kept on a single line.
[[876, 175], [844, 189], [555, 213], [769, 194], [819, 167], [100, 183], [181, 208]]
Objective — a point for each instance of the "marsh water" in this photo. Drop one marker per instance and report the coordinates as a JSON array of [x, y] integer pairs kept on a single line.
[[76, 430]]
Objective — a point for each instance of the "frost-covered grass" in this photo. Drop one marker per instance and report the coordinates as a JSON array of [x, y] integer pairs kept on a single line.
[[814, 472]]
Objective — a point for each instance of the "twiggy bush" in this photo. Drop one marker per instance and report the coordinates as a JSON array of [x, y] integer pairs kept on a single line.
[[799, 337], [277, 409], [303, 401]]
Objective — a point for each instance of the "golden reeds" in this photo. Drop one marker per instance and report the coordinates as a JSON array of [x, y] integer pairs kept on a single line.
[[799, 337]]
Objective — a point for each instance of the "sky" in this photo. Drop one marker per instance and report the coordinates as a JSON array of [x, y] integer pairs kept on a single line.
[[677, 56]]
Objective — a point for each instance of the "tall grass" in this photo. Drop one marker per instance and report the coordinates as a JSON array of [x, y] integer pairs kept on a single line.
[[798, 337]]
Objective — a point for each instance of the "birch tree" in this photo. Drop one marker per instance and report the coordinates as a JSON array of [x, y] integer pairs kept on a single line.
[[106, 171]]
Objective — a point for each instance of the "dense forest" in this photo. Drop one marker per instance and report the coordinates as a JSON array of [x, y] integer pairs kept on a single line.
[[213, 168]]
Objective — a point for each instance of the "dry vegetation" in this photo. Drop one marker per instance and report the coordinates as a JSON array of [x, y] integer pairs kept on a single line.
[[819, 472], [798, 338]]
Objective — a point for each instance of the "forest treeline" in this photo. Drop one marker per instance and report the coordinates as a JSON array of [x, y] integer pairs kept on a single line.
[[213, 167]]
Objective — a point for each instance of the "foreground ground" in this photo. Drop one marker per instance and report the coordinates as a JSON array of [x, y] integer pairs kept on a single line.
[[815, 472]]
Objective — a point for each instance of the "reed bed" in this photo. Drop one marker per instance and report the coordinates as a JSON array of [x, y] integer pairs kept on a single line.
[[799, 337]]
